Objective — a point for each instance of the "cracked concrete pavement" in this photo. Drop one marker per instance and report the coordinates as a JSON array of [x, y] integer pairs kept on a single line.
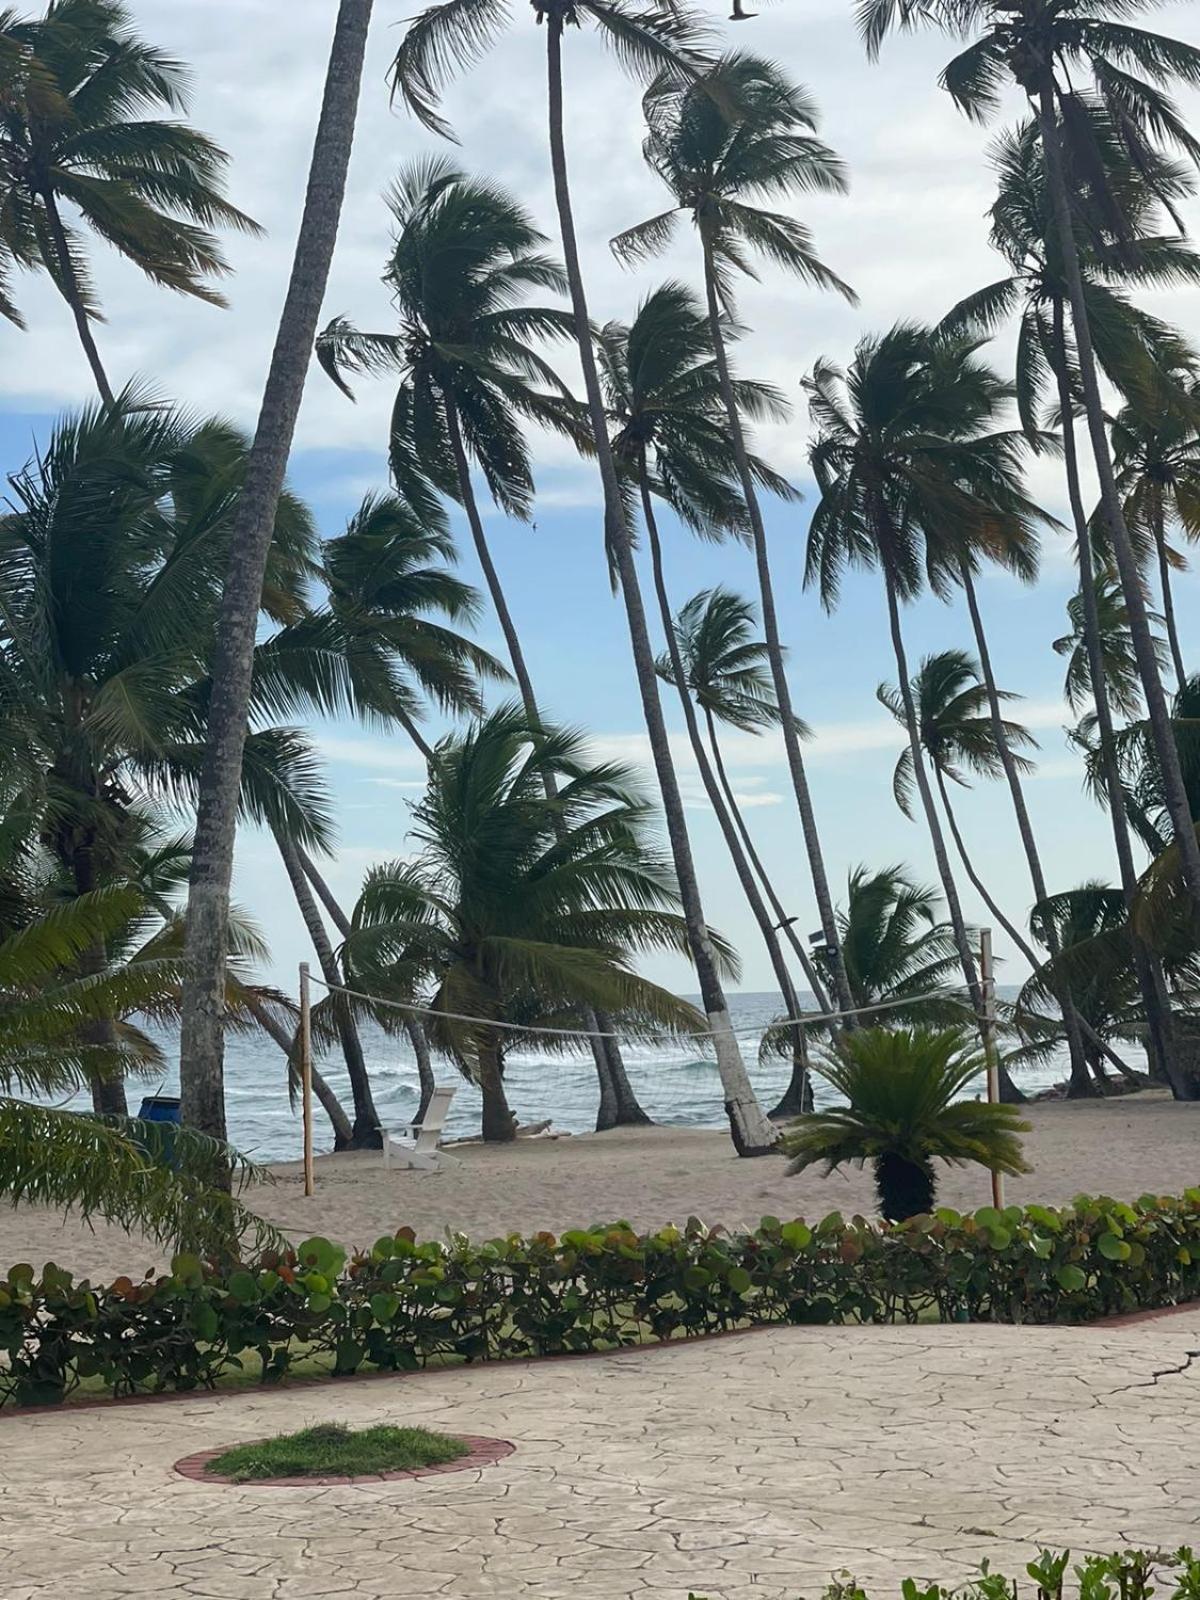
[[745, 1468]]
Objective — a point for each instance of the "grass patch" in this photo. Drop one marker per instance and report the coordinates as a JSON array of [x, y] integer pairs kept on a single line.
[[331, 1449]]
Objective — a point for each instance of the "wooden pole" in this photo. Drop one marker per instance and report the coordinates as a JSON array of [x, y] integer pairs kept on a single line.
[[987, 1028], [306, 1075]]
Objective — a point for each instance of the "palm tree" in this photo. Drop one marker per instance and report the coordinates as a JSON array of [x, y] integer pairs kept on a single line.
[[685, 665], [78, 90], [465, 256], [201, 1042], [1045, 46], [663, 395], [1156, 456], [903, 1112], [1132, 349], [443, 39], [111, 550], [48, 1156], [1122, 687], [739, 134], [956, 734], [507, 916], [907, 465]]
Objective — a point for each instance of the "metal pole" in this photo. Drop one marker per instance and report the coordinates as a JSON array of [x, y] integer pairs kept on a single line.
[[988, 1030], [306, 1075]]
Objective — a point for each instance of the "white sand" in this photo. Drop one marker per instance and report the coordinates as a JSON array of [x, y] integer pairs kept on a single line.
[[648, 1176]]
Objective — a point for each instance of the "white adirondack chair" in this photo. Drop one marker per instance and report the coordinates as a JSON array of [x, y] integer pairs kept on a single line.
[[416, 1146]]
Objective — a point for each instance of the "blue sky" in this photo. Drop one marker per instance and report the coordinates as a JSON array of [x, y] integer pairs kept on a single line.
[[911, 238]]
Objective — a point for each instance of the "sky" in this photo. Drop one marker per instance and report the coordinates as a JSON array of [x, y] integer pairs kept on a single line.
[[911, 237]]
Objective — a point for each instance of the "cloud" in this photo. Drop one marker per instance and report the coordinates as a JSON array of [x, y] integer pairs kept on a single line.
[[385, 752]]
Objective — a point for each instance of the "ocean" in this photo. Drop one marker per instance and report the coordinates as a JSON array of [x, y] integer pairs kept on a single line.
[[677, 1084]]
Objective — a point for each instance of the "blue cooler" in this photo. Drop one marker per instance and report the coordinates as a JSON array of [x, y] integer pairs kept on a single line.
[[162, 1108]]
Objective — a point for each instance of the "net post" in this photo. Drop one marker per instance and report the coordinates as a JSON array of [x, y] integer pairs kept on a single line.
[[306, 1074], [988, 1030]]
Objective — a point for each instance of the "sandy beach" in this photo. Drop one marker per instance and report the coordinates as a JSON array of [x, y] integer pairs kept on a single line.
[[648, 1176]]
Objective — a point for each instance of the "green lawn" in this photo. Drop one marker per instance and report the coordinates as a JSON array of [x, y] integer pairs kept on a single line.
[[331, 1449]]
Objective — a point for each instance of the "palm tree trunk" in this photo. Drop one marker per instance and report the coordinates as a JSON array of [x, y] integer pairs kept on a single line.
[[108, 1092], [1008, 1089], [782, 921], [775, 652], [412, 1026], [1149, 975], [1079, 1083], [1168, 599], [752, 1134], [798, 1095], [201, 1042], [499, 1125], [343, 1138], [68, 286], [1174, 791], [366, 1131], [1071, 1019], [618, 1104]]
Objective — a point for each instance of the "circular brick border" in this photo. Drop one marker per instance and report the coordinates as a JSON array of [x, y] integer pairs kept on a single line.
[[482, 1452]]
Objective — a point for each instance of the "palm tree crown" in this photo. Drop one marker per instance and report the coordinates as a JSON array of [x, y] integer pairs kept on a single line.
[[726, 663], [955, 724], [79, 90], [522, 907], [465, 257]]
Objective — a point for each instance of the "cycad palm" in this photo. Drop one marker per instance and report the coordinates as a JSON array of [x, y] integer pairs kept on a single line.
[[1156, 453], [1046, 47], [908, 465], [741, 134], [521, 908], [465, 257], [78, 89], [441, 41], [903, 1112]]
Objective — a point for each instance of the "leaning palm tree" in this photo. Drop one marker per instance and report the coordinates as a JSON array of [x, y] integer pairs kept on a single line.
[[904, 1110], [1156, 455], [520, 910], [78, 134], [440, 41], [1046, 47], [663, 394], [202, 1038], [465, 257], [956, 734], [721, 143], [906, 461]]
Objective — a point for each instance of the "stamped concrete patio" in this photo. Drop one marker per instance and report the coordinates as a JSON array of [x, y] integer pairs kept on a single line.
[[745, 1467]]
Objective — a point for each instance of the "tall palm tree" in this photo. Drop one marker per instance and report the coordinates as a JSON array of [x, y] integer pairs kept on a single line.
[[507, 917], [464, 259], [1045, 47], [1132, 349], [79, 88], [202, 1040], [663, 394], [721, 143], [1156, 456], [907, 461], [444, 38], [111, 553]]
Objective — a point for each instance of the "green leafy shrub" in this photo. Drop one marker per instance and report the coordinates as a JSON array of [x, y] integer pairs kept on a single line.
[[1127, 1574], [331, 1449], [406, 1303]]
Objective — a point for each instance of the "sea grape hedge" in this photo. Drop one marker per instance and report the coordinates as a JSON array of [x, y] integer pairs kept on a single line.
[[403, 1303]]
